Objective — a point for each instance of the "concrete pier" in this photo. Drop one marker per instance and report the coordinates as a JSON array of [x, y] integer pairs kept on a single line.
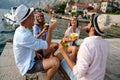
[[9, 71]]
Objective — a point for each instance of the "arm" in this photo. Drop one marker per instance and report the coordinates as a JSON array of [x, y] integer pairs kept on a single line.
[[84, 28], [49, 10], [83, 61], [70, 40], [67, 36], [41, 33], [69, 62], [49, 36], [31, 42]]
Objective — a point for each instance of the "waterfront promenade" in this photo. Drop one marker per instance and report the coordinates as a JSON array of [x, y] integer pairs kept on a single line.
[[9, 71]]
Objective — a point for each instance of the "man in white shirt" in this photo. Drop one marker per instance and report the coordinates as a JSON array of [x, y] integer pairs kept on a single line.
[[25, 44], [92, 54]]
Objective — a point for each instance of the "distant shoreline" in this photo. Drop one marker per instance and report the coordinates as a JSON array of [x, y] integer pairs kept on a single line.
[[115, 19]]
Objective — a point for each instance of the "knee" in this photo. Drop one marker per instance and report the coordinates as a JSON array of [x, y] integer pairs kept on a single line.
[[75, 49], [56, 46], [56, 62]]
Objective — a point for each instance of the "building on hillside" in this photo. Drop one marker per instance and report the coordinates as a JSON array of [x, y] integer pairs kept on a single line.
[[99, 6], [109, 5], [105, 5], [67, 8], [61, 1], [95, 5], [79, 7]]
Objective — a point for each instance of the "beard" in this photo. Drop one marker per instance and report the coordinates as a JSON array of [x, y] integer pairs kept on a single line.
[[88, 30]]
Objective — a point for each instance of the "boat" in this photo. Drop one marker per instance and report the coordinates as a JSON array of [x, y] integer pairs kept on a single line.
[[9, 18]]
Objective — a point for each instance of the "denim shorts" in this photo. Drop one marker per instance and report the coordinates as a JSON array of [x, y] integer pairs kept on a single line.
[[68, 70], [41, 53], [37, 67]]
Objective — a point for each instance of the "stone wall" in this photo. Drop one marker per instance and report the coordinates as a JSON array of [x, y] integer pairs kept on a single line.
[[115, 20]]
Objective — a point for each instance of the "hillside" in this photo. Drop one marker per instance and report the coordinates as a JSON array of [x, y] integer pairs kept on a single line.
[[6, 4]]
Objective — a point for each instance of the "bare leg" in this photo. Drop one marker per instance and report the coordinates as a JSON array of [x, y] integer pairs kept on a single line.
[[54, 47], [51, 65], [73, 50], [59, 56], [50, 51]]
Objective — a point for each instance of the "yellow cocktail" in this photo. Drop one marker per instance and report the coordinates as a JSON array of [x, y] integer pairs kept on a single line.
[[46, 25], [64, 43], [74, 36]]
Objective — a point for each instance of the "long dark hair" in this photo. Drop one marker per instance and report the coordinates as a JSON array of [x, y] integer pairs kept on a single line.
[[76, 20]]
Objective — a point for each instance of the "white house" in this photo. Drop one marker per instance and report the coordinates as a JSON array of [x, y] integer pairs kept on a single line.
[[95, 5], [105, 5], [109, 4], [79, 7], [67, 8]]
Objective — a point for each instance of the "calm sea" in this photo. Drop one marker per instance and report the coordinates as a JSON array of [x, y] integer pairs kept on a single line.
[[7, 32]]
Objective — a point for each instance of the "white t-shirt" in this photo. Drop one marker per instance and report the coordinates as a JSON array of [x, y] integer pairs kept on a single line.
[[91, 59], [70, 30]]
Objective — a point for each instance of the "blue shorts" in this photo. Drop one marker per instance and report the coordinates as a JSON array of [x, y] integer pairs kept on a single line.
[[68, 70], [37, 67]]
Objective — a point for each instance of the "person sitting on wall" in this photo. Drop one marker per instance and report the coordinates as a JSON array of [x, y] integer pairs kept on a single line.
[[92, 54], [25, 44]]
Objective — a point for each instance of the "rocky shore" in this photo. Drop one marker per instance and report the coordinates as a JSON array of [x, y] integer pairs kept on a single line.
[[115, 20]]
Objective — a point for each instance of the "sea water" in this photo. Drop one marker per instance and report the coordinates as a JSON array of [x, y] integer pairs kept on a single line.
[[7, 32]]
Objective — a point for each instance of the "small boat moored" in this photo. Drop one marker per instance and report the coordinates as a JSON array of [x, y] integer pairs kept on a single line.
[[9, 18]]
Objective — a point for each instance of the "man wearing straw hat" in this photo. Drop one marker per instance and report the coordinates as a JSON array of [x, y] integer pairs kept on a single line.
[[92, 54], [25, 44]]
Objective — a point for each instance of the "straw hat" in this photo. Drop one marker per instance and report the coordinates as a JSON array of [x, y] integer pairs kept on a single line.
[[22, 13], [102, 23]]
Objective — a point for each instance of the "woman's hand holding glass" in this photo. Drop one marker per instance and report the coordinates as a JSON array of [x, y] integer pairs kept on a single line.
[[74, 36], [64, 43]]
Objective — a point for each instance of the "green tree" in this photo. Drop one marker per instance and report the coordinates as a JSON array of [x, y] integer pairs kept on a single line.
[[59, 8], [113, 11], [77, 13], [117, 12], [72, 2]]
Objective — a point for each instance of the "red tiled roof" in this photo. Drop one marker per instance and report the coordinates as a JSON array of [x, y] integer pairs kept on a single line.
[[81, 5], [93, 10], [105, 0], [96, 10]]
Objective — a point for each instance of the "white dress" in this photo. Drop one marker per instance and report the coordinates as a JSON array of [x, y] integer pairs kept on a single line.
[[70, 31]]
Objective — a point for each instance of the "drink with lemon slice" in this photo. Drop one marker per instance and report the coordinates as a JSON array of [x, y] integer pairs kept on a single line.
[[64, 43], [74, 36], [46, 25]]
